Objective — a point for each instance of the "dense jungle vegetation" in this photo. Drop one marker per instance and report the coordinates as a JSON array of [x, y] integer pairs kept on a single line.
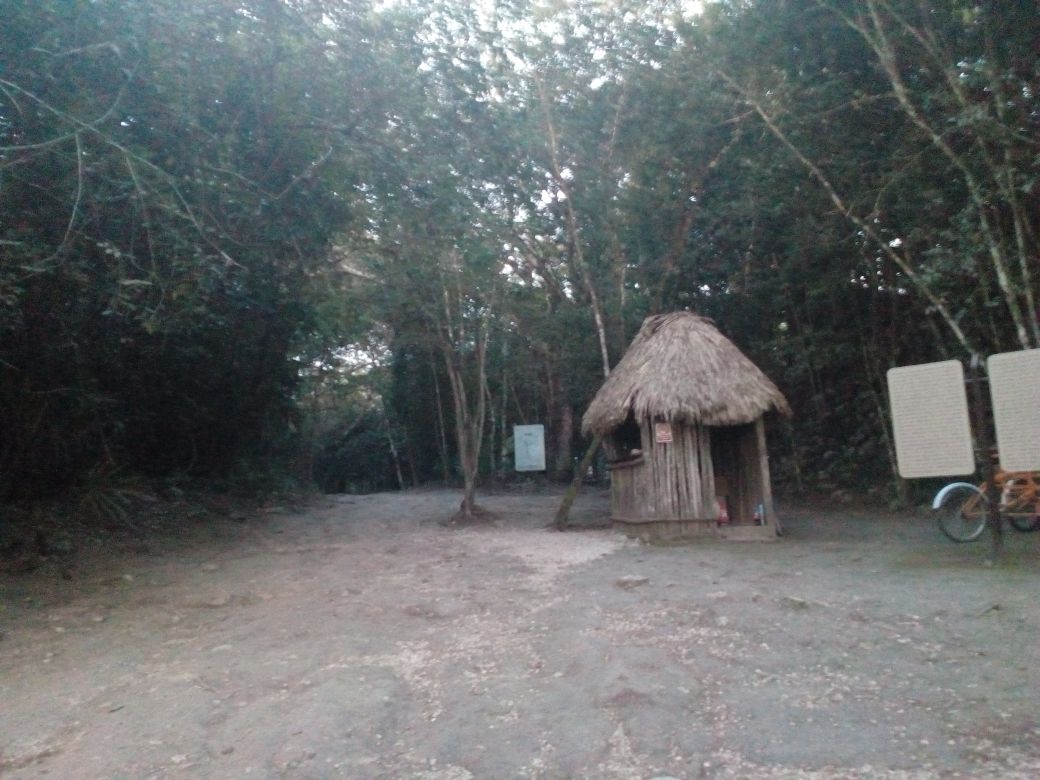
[[352, 243]]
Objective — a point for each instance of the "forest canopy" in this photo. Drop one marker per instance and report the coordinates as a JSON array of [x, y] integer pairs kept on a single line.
[[354, 243]]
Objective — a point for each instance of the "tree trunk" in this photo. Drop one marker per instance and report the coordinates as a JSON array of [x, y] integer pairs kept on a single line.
[[564, 433], [561, 425], [442, 433], [465, 427], [503, 454], [873, 378], [394, 455], [469, 422], [492, 414], [584, 276], [577, 252]]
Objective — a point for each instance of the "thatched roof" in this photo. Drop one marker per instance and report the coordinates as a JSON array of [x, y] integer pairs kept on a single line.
[[682, 369]]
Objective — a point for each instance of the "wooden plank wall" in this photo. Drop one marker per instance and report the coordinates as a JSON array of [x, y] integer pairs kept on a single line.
[[676, 479], [671, 491], [624, 490]]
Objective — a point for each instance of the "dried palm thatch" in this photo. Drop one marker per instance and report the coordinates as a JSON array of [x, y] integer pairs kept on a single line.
[[680, 368]]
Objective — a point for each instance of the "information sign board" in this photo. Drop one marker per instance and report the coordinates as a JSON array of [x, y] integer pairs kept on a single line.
[[1014, 385], [930, 420], [529, 447]]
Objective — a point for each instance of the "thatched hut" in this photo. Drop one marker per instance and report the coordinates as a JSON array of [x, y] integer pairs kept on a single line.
[[681, 418]]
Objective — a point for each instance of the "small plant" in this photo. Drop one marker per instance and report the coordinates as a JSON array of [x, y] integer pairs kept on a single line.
[[105, 495]]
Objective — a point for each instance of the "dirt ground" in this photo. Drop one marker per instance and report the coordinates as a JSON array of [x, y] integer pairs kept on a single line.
[[358, 638]]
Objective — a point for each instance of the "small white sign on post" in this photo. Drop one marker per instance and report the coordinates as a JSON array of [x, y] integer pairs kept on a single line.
[[1014, 384], [930, 420], [529, 447]]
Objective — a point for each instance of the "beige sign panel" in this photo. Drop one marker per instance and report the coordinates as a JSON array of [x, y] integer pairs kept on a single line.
[[529, 447], [1014, 384], [930, 420]]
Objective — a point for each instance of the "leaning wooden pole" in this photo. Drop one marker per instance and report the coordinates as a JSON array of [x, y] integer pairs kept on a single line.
[[563, 513]]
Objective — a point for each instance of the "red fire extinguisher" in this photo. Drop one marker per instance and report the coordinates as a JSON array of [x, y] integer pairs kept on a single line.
[[723, 512]]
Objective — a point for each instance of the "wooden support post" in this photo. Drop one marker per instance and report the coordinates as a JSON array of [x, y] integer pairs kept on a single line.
[[768, 510], [562, 514], [984, 447]]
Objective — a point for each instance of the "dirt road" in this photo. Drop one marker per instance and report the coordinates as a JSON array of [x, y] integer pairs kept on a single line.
[[360, 639]]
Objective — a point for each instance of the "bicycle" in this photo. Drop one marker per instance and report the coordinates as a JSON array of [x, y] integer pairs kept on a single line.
[[963, 508]]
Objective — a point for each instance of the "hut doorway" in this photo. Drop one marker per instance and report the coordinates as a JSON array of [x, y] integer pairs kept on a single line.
[[738, 475]]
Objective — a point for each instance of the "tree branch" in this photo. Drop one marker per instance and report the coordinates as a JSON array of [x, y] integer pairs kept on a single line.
[[867, 229]]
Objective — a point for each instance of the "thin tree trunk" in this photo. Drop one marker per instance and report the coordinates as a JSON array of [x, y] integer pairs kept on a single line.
[[469, 423], [393, 452], [442, 434], [409, 450], [621, 277], [564, 434], [573, 230], [463, 434], [880, 404], [503, 453], [561, 419], [463, 431], [584, 276], [796, 459], [563, 513], [492, 414]]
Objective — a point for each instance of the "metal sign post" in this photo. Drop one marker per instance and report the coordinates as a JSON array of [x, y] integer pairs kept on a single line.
[[984, 447]]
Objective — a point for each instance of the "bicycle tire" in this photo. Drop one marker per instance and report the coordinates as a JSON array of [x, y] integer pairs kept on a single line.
[[963, 513], [1023, 523]]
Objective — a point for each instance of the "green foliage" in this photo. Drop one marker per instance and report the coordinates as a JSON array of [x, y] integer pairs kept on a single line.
[[357, 460], [168, 193], [240, 238]]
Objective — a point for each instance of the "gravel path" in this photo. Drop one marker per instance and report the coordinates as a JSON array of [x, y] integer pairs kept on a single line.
[[362, 639]]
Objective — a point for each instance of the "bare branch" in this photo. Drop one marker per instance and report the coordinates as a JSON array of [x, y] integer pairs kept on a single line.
[[868, 230], [6, 86]]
